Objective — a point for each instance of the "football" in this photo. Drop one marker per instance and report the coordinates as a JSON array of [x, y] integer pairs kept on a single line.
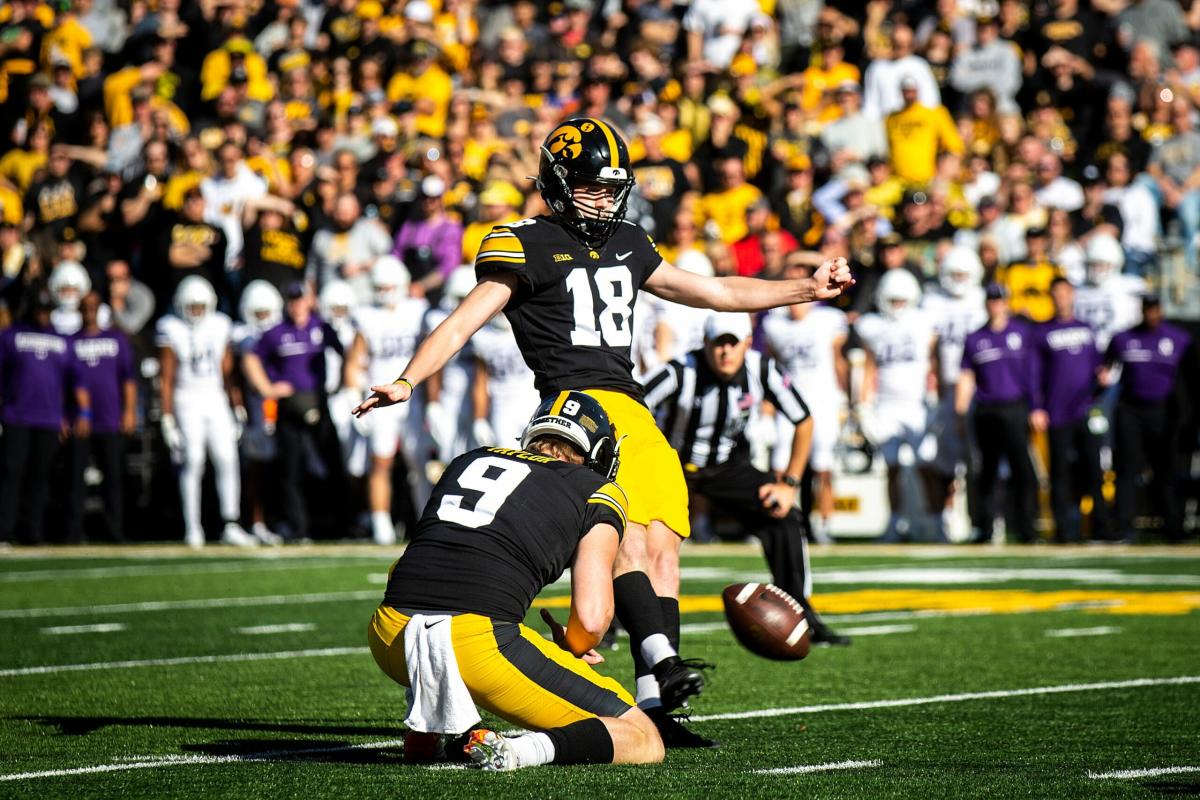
[[767, 621]]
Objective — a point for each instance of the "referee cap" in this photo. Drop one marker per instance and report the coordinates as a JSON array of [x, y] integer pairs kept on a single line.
[[728, 323]]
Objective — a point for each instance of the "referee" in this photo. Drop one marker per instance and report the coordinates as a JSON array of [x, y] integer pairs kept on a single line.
[[703, 404]]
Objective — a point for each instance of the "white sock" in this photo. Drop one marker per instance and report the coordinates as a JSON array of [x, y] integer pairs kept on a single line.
[[656, 648], [647, 692], [533, 749], [381, 526]]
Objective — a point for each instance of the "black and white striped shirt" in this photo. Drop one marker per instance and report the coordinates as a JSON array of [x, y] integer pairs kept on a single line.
[[703, 417]]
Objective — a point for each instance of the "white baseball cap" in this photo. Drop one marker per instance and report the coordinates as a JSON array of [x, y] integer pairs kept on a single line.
[[729, 323]]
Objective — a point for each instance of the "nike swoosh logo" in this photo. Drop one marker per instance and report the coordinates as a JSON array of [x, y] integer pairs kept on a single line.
[[429, 625], [623, 256]]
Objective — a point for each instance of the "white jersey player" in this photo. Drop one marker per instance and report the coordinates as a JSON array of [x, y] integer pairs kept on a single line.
[[448, 409], [900, 342], [1110, 302], [504, 394], [679, 329], [261, 308], [68, 283], [807, 340], [955, 311], [336, 306], [387, 336], [195, 352]]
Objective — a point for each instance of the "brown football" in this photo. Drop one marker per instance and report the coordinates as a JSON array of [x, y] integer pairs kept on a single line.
[[767, 620]]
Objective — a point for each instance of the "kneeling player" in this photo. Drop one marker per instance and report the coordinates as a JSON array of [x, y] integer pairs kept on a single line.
[[500, 526]]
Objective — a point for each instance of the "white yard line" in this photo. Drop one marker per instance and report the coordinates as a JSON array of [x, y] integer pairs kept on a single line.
[[183, 660], [147, 762], [103, 627], [878, 630], [286, 627], [196, 567], [1126, 774], [807, 768], [1136, 683], [208, 602], [1067, 633]]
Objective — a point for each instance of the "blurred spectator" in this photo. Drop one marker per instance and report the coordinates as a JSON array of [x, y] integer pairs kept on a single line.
[[1065, 363], [994, 386], [347, 246], [105, 370], [917, 133], [1147, 418], [131, 301], [1054, 190], [38, 371], [884, 80], [288, 366], [274, 251], [1175, 169], [1027, 282], [1139, 214], [430, 243], [727, 206], [715, 29], [225, 196], [187, 245], [853, 136], [992, 63]]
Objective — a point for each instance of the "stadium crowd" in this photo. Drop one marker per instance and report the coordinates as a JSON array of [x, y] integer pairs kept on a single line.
[[220, 221]]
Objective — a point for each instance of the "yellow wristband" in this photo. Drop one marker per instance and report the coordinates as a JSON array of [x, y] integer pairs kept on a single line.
[[411, 389]]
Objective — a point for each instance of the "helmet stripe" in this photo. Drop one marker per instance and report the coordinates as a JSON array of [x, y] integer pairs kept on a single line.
[[556, 409], [614, 160]]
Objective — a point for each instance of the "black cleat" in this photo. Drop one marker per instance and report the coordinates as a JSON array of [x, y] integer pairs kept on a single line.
[[824, 635], [678, 680], [674, 734]]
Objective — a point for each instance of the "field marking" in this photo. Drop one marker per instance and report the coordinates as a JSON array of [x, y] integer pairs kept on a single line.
[[1136, 683], [208, 602], [150, 762], [182, 660], [807, 768], [286, 627], [878, 630], [194, 567], [1126, 774], [103, 627], [1067, 633]]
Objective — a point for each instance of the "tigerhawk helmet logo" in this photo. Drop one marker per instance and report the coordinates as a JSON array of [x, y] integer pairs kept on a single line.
[[567, 141]]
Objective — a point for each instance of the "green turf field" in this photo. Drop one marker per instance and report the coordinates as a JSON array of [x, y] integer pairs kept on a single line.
[[1043, 673]]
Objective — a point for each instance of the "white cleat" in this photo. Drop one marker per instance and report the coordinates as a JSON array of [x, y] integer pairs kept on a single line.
[[265, 535], [490, 751], [236, 535], [383, 531], [194, 538]]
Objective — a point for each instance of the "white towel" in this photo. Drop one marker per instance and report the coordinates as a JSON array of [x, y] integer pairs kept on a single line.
[[438, 700]]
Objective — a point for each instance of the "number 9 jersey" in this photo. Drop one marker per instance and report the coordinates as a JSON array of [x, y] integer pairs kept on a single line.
[[501, 525], [572, 312]]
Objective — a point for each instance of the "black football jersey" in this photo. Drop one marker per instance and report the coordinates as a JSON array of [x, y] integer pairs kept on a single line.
[[573, 312], [501, 526]]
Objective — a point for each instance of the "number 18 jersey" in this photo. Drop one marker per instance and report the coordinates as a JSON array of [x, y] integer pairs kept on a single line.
[[501, 525], [572, 312]]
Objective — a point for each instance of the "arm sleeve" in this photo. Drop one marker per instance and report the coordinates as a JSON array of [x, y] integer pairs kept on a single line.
[[607, 504], [332, 339], [779, 389]]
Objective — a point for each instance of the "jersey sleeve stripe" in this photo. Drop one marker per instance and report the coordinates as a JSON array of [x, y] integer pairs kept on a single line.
[[602, 500], [613, 492], [517, 257]]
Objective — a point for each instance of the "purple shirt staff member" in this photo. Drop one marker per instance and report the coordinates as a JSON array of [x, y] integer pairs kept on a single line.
[[995, 374], [430, 245], [1150, 356], [104, 367], [1065, 381], [288, 365], [37, 369]]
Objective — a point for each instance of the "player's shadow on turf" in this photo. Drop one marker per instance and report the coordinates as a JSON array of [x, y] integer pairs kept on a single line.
[[1173, 788], [82, 726], [325, 751]]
